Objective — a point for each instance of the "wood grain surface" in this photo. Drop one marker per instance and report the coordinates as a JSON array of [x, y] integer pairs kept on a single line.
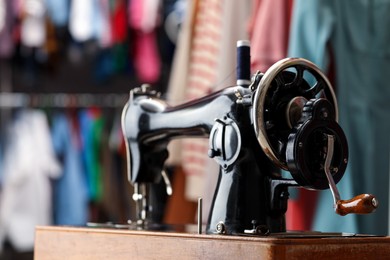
[[98, 243]]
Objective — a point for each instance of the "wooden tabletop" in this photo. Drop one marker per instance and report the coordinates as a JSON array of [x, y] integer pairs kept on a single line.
[[52, 242]]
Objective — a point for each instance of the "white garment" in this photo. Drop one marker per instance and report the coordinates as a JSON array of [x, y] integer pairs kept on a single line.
[[2, 14], [81, 23], [33, 27], [103, 26], [29, 164], [150, 15]]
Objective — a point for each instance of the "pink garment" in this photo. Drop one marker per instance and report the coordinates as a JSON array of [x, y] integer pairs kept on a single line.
[[269, 30], [146, 57], [105, 33], [143, 14]]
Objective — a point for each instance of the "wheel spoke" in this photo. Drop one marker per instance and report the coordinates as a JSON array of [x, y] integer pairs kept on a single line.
[[313, 91], [298, 76], [280, 80]]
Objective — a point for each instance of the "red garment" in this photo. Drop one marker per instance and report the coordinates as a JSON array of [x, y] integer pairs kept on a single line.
[[269, 30], [119, 24], [301, 210]]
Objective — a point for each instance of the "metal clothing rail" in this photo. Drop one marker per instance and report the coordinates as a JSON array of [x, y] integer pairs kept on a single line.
[[62, 100]]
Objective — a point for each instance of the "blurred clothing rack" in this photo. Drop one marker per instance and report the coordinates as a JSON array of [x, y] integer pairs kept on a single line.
[[62, 100]]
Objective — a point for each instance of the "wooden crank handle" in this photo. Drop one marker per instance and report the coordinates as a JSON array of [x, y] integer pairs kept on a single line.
[[361, 204]]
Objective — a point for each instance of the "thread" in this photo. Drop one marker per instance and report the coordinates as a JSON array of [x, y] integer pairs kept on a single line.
[[243, 70]]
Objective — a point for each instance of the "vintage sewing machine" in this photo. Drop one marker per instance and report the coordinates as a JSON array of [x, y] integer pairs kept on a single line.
[[283, 119]]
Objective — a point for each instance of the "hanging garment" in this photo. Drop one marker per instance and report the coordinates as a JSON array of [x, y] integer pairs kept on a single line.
[[181, 61], [360, 40], [174, 12], [119, 28], [118, 187], [3, 12], [179, 72], [58, 11], [119, 25], [81, 20], [234, 27], [269, 28], [176, 94], [201, 75], [91, 125], [70, 189], [7, 14], [86, 124], [1, 167], [145, 57], [235, 16], [106, 35], [97, 131], [33, 37], [89, 20], [29, 166], [112, 183], [269, 31], [204, 62], [104, 65], [33, 25]]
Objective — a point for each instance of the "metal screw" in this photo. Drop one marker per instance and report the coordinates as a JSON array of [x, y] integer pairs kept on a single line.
[[238, 94], [262, 230], [145, 87], [284, 195], [220, 228], [137, 196], [259, 229], [254, 223]]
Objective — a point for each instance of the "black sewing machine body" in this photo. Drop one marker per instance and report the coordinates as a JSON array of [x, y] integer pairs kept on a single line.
[[278, 121], [247, 179]]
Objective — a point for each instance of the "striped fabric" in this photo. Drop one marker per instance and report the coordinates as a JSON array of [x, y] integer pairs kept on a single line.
[[201, 78]]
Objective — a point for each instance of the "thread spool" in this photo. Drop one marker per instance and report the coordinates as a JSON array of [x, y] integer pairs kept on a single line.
[[243, 70]]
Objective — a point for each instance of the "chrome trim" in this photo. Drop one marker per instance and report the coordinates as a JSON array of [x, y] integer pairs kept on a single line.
[[261, 93]]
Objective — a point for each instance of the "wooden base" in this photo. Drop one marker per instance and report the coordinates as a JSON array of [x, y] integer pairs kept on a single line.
[[99, 243]]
